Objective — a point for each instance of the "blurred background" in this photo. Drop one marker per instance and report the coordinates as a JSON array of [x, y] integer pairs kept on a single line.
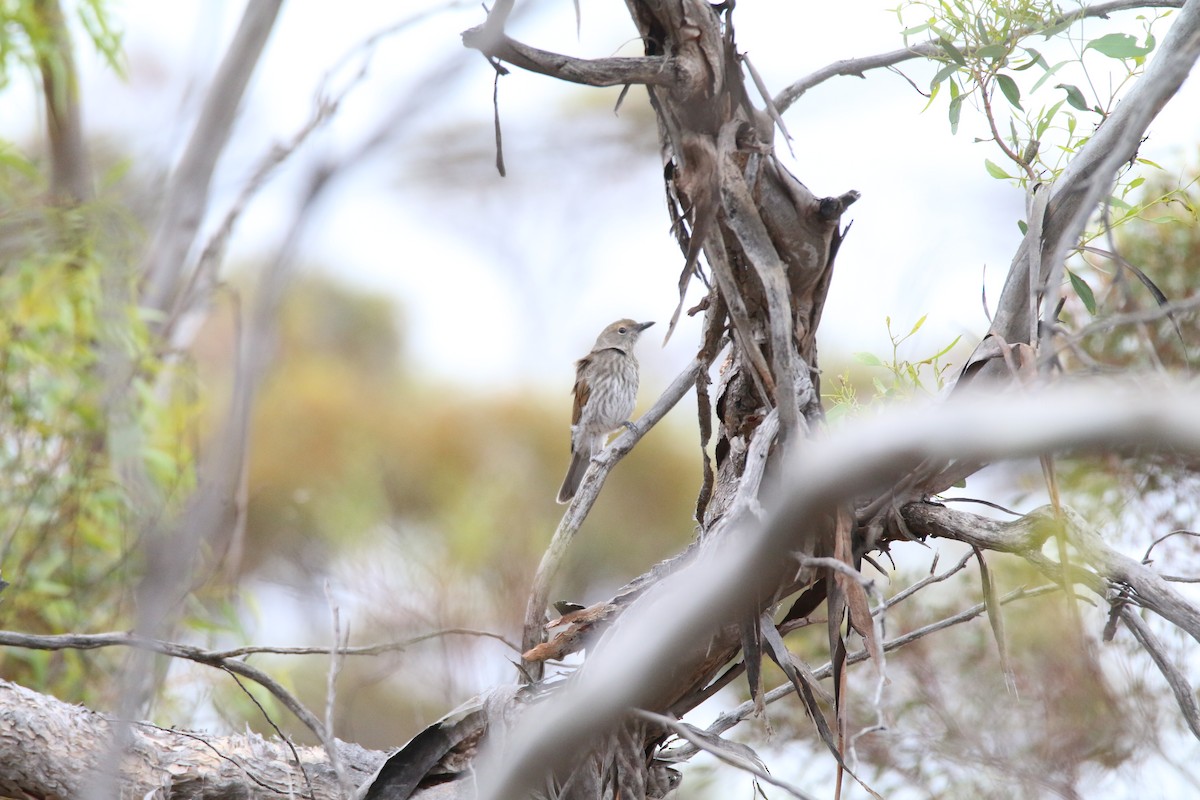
[[412, 431]]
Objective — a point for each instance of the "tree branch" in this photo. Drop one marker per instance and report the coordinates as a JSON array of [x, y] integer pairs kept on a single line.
[[858, 66], [92, 641], [649, 70], [71, 742], [1185, 696], [186, 199], [1025, 537]]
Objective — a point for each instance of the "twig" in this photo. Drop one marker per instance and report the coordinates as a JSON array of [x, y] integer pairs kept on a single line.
[[1132, 318], [839, 566], [724, 754], [173, 649], [360, 650], [1185, 696], [282, 737], [731, 718], [908, 591], [335, 667]]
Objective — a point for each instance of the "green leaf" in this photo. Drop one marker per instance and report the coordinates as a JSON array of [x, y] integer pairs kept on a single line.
[[933, 93], [1036, 58], [1023, 226], [995, 171], [1074, 96], [1084, 291], [917, 326], [952, 51], [991, 51], [1120, 46], [870, 359], [945, 349], [956, 101], [1011, 91], [1046, 75], [942, 74], [1047, 118], [1054, 30]]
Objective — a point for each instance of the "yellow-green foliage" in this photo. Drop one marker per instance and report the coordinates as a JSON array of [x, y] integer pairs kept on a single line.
[[77, 397]]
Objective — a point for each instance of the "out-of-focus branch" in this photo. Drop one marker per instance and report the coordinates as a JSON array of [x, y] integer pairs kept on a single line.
[[71, 740], [69, 179], [858, 66], [632, 664], [186, 200], [196, 289]]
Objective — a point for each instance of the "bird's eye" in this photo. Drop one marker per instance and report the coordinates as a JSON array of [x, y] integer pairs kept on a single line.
[[622, 329]]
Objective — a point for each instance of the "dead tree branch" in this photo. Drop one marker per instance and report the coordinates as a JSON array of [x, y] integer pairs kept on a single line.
[[71, 742], [653, 70]]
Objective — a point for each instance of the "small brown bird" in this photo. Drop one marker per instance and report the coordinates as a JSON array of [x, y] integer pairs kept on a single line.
[[606, 384]]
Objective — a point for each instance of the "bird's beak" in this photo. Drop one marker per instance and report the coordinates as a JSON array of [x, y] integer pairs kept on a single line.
[[641, 326]]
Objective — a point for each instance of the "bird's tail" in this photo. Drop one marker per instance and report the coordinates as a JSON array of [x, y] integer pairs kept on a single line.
[[579, 465]]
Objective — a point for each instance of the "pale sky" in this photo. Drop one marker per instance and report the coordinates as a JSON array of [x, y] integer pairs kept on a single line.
[[503, 282]]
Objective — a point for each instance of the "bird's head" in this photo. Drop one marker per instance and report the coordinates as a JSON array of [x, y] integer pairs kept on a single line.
[[622, 335]]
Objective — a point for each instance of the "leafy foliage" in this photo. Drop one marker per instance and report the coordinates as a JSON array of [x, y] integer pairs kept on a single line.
[[908, 378], [70, 534], [27, 35]]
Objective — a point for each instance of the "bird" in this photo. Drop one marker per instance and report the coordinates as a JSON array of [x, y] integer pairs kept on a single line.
[[606, 385]]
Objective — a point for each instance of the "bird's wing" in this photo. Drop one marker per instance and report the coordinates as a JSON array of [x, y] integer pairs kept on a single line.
[[582, 389]]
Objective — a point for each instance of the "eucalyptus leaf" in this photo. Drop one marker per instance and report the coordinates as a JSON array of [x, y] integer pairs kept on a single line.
[[1084, 291]]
